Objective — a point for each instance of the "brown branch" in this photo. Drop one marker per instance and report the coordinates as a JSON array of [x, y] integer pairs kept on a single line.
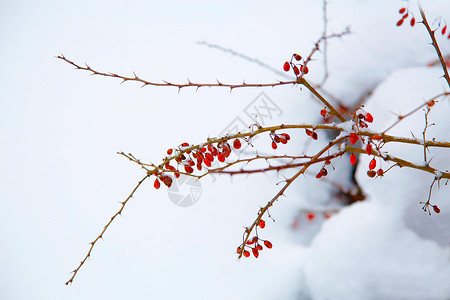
[[435, 44], [402, 117], [288, 182], [403, 163], [273, 168], [119, 212], [169, 84]]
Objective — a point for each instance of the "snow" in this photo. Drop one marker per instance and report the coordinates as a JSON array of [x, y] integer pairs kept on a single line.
[[62, 179]]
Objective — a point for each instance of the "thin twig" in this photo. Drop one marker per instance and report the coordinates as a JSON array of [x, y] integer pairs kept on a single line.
[[119, 212]]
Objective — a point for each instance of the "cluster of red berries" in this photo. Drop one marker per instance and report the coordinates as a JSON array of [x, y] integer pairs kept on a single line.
[[405, 14], [282, 138], [297, 68], [311, 133], [364, 117], [196, 157], [254, 243]]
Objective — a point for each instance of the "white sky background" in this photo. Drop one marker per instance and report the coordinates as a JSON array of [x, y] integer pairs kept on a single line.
[[60, 129]]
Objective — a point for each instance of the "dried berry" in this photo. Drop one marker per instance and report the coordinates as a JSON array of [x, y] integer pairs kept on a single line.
[[297, 57], [371, 173], [296, 71], [436, 209]]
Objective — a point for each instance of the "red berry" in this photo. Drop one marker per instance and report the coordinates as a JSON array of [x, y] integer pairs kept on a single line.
[[169, 151], [157, 184], [369, 118], [353, 159], [297, 57], [246, 253], [209, 157], [376, 137], [177, 174], [255, 252], [413, 21], [221, 157], [436, 209], [188, 169], [184, 145], [286, 136], [237, 144], [286, 66], [323, 112], [262, 224], [380, 172], [191, 162], [324, 172], [238, 250], [304, 69], [308, 132], [444, 30], [268, 244], [372, 164], [319, 175], [369, 149], [259, 247], [296, 70], [402, 10], [274, 145], [199, 166], [353, 138], [400, 22], [207, 162], [276, 138], [283, 141], [310, 216], [314, 135]]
